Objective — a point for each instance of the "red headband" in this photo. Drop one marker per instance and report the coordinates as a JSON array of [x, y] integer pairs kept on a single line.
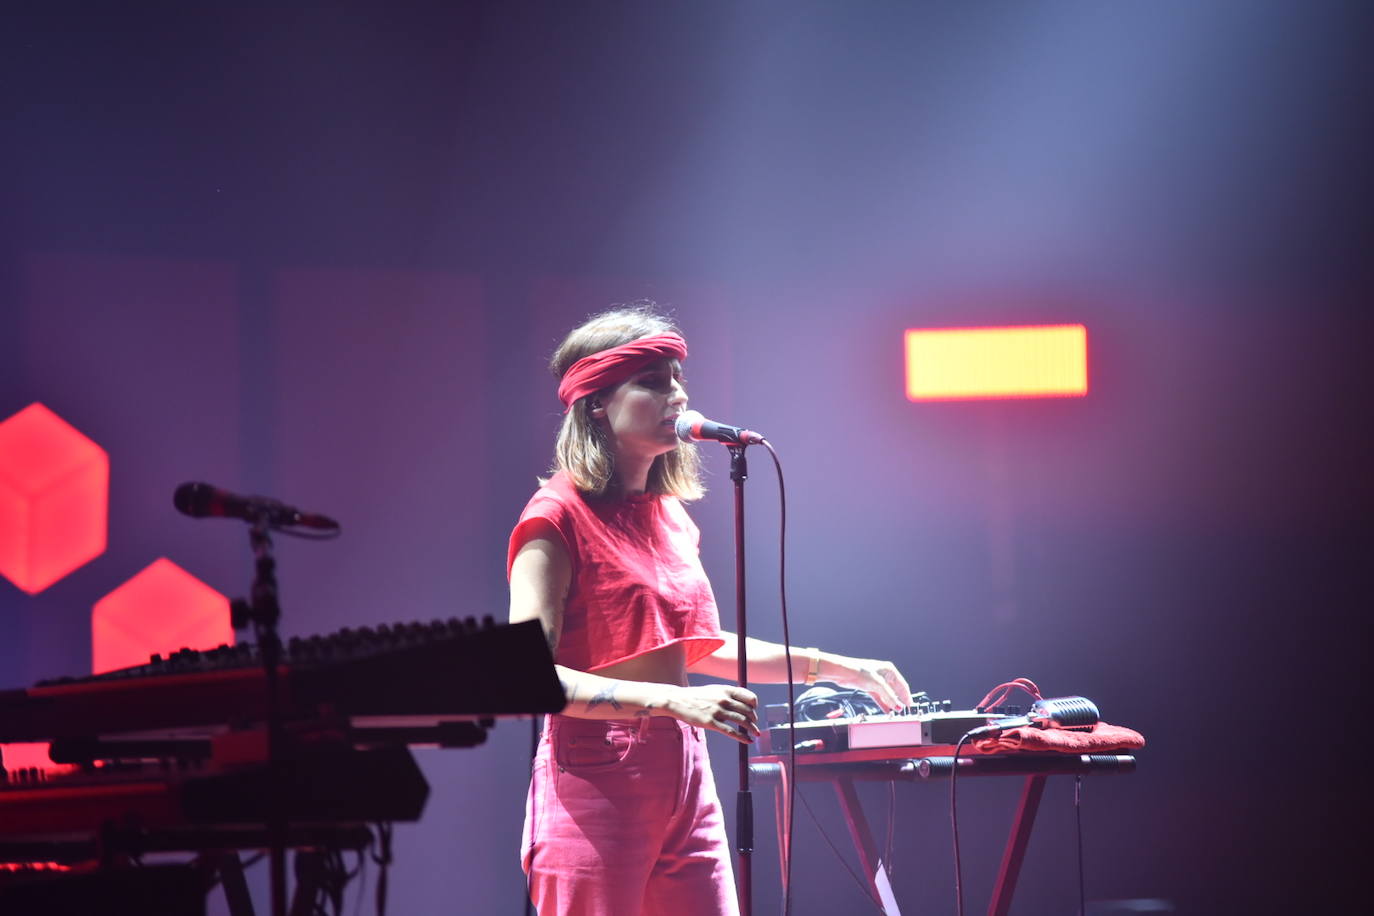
[[613, 366]]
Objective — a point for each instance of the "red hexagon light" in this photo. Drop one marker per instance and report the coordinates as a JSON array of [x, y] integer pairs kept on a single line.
[[54, 498], [162, 609]]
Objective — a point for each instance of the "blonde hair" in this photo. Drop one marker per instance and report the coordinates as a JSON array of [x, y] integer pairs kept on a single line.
[[582, 449]]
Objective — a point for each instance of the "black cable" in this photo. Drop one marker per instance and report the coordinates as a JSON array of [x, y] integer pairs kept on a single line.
[[863, 885], [361, 872], [323, 881], [790, 801], [818, 704], [1078, 823], [354, 872], [954, 824], [339, 877], [891, 824], [383, 860]]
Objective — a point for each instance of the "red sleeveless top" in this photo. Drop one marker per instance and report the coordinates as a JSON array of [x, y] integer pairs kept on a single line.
[[637, 582]]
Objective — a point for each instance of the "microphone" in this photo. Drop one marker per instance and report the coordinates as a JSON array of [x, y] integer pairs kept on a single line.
[[691, 426], [201, 500], [1059, 712]]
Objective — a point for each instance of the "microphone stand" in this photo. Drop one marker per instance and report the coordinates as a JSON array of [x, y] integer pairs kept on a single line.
[[744, 801], [263, 613]]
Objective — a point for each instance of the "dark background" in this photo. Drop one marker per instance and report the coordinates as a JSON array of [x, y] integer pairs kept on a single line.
[[324, 254]]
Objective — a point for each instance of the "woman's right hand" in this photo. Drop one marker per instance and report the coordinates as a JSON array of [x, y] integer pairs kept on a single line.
[[725, 708]]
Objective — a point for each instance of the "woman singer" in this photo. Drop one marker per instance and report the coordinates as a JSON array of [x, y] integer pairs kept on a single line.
[[622, 815]]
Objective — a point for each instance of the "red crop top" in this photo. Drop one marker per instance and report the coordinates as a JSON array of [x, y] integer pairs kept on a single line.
[[637, 582]]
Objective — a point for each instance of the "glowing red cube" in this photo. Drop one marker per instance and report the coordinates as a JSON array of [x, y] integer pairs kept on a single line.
[[54, 498], [160, 610]]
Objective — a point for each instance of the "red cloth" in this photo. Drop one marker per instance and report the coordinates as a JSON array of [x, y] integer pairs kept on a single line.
[[637, 581], [611, 367], [1098, 739]]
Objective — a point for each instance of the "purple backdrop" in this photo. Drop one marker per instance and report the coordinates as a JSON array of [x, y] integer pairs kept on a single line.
[[326, 256]]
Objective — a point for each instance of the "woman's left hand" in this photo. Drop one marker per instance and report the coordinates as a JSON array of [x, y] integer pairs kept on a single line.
[[879, 679]]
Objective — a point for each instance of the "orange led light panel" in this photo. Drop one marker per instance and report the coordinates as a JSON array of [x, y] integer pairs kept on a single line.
[[162, 609], [1048, 361], [54, 498]]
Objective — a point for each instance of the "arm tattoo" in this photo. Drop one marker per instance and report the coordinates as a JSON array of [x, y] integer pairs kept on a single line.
[[607, 695], [569, 690]]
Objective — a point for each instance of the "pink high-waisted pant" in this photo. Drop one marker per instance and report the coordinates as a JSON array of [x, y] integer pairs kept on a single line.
[[622, 818]]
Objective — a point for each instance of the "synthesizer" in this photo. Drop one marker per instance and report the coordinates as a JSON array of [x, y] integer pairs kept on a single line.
[[328, 792], [399, 674], [926, 724]]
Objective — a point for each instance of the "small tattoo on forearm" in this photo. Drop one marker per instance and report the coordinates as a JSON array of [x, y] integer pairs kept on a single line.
[[569, 690], [605, 696]]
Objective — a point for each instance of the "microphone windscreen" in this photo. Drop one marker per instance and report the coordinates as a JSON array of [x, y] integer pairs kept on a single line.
[[685, 422], [193, 499], [1064, 712]]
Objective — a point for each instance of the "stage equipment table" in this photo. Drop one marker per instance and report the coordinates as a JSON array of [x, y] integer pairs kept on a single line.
[[842, 769]]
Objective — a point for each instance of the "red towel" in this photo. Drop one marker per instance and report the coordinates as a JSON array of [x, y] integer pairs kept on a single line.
[[1098, 739]]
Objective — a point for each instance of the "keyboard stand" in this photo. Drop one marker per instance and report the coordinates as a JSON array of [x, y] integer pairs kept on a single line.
[[841, 769]]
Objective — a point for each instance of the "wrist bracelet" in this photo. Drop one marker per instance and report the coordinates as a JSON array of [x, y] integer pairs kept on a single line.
[[813, 673]]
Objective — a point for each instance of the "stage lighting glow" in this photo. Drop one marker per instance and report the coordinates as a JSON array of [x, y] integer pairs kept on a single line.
[[54, 498], [161, 609], [30, 755], [1047, 361]]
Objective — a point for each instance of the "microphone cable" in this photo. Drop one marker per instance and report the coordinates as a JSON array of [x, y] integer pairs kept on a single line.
[[1059, 709], [864, 887], [995, 697], [891, 825], [954, 824], [790, 801], [1078, 830]]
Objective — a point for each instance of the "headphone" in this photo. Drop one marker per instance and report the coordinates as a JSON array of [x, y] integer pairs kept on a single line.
[[820, 703]]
